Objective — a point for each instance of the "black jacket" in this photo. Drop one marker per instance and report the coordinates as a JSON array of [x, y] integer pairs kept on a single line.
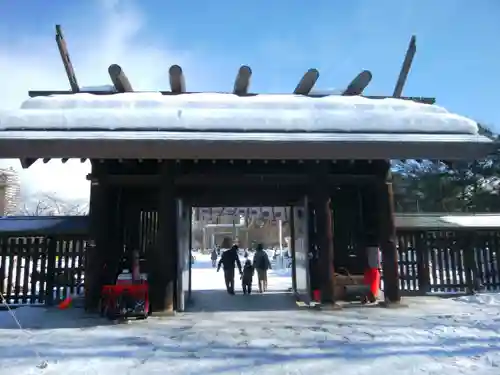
[[248, 272], [228, 259], [261, 260]]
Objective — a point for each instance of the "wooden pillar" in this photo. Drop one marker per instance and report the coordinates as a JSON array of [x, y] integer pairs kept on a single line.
[[387, 236], [96, 251], [324, 233], [292, 248], [468, 241], [102, 253], [114, 244], [50, 246], [132, 222], [190, 240], [313, 249], [422, 250], [162, 258]]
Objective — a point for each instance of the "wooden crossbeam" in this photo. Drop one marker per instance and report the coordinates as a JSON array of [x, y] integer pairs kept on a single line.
[[68, 66], [307, 82], [242, 81], [418, 99], [177, 81], [405, 68], [37, 93], [119, 79], [27, 162], [358, 84]]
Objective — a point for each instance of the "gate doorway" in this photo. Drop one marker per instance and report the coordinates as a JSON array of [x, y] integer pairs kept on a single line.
[[277, 233], [153, 213]]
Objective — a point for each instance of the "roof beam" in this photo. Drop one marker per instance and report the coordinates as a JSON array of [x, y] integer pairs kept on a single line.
[[119, 79], [307, 82], [68, 66], [177, 81], [358, 84], [405, 68], [27, 162], [418, 99], [242, 81]]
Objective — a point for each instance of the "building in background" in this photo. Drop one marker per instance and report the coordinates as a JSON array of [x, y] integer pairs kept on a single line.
[[10, 192], [247, 226]]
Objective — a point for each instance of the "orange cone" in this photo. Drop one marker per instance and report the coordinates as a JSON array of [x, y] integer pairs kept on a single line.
[[66, 303]]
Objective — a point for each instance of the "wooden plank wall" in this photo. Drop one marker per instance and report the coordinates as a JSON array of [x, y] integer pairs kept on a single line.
[[41, 270], [448, 262]]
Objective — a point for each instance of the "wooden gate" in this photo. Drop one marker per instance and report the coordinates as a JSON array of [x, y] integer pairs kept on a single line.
[[448, 261], [41, 270]]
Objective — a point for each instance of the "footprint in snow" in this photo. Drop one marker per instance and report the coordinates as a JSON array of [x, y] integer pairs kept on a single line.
[[318, 329], [243, 332]]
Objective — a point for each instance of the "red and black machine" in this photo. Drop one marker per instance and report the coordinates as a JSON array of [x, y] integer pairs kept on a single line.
[[129, 297]]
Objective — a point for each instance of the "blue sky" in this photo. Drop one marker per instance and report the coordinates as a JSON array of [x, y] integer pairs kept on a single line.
[[457, 60]]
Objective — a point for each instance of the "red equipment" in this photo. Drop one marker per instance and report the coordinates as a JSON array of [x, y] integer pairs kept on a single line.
[[129, 297], [125, 301]]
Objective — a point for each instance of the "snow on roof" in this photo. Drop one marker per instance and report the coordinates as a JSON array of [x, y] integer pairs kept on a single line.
[[228, 112], [451, 221], [39, 225]]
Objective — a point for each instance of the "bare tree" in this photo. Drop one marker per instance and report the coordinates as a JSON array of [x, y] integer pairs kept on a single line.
[[51, 205]]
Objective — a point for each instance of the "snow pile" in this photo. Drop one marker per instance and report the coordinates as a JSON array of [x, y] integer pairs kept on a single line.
[[488, 299], [471, 221], [102, 88], [227, 112]]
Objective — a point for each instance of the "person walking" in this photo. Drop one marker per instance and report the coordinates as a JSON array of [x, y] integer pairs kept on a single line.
[[214, 257], [262, 264], [247, 277], [227, 261]]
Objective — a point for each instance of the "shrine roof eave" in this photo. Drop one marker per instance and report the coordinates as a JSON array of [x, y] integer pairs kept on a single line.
[[219, 145]]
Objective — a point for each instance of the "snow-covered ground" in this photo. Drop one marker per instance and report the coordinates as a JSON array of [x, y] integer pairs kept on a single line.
[[432, 336]]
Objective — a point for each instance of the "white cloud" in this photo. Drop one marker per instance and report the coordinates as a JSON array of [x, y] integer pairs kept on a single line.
[[33, 63]]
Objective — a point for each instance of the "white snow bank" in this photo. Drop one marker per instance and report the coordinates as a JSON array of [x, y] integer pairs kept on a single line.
[[489, 299], [471, 221], [212, 111], [103, 88]]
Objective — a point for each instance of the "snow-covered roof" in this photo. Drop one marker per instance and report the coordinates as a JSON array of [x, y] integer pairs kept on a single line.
[[44, 225], [227, 126], [451, 221], [228, 112]]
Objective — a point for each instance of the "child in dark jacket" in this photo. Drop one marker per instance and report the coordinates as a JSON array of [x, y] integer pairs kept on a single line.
[[247, 276]]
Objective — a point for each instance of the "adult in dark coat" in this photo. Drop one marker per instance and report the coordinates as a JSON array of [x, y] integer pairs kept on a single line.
[[214, 257], [227, 261]]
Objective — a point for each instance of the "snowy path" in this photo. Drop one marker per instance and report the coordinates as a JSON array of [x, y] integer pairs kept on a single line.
[[207, 278], [432, 336], [209, 293]]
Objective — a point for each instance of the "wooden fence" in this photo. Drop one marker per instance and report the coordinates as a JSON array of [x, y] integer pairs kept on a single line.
[[44, 270], [448, 261], [41, 270]]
